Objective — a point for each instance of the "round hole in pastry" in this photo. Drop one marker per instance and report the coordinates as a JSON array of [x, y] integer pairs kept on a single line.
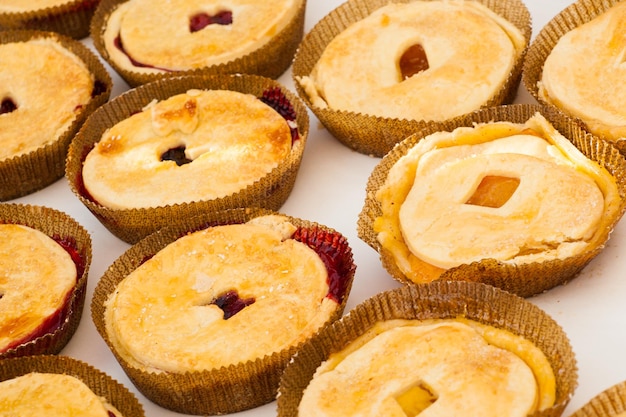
[[38, 393], [413, 61], [199, 21], [7, 105]]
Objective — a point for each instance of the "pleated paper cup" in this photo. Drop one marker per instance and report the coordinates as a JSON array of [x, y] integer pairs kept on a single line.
[[131, 225], [270, 60], [70, 18], [609, 403], [239, 386], [98, 381], [437, 300], [30, 171], [524, 279], [370, 134], [77, 242], [573, 16]]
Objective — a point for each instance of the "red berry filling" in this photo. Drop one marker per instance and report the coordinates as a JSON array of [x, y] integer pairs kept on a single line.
[[199, 21], [7, 106], [177, 155], [119, 45], [230, 303], [277, 100]]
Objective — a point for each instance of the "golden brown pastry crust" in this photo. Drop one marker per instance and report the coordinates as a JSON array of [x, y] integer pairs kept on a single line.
[[49, 86], [438, 367], [164, 315], [156, 33], [51, 394], [583, 74], [36, 277], [233, 140], [427, 226], [20, 6], [359, 69]]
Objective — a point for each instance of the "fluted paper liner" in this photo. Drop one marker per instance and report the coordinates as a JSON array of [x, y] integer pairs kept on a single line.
[[373, 135], [437, 300], [29, 172], [226, 390], [98, 381], [62, 228], [71, 19], [271, 60], [525, 279], [576, 14], [131, 225], [609, 403]]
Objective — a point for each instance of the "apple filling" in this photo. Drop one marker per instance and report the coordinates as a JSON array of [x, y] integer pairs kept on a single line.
[[413, 61], [494, 191]]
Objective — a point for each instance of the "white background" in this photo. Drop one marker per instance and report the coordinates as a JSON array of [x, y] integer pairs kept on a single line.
[[330, 189]]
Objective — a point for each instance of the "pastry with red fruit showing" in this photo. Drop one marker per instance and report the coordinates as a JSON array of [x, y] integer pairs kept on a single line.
[[144, 40], [44, 258], [225, 301], [186, 145], [67, 17]]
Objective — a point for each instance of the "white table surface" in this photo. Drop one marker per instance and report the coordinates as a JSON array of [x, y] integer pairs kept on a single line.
[[330, 189]]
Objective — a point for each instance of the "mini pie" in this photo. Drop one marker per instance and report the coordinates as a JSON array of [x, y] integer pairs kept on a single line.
[[22, 6], [443, 367], [518, 193], [199, 145], [45, 85], [212, 291], [420, 60], [51, 394], [37, 277], [148, 36], [583, 72]]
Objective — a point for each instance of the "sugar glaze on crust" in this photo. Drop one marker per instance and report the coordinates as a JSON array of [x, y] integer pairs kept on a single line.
[[173, 313], [149, 36]]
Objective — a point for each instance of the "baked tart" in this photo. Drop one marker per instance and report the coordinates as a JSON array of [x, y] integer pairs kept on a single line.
[[144, 40], [417, 61], [67, 17], [576, 64], [609, 403], [231, 141], [62, 387], [55, 100], [458, 348], [506, 198], [44, 259], [229, 300]]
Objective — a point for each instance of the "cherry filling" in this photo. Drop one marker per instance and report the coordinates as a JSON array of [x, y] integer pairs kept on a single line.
[[177, 155], [119, 45], [413, 61], [7, 106], [333, 250], [71, 247], [230, 303], [277, 100], [199, 21]]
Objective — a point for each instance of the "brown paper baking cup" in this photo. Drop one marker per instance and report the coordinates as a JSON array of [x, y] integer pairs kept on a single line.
[[609, 403], [226, 390], [576, 14], [29, 172], [131, 225], [70, 19], [99, 382], [77, 241], [525, 279], [437, 300], [271, 60], [373, 135]]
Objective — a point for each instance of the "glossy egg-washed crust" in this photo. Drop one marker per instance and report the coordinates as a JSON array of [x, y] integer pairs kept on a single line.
[[271, 60], [131, 225], [437, 300], [239, 386], [29, 172], [571, 17], [96, 380], [525, 279], [378, 135], [65, 230], [68, 17]]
